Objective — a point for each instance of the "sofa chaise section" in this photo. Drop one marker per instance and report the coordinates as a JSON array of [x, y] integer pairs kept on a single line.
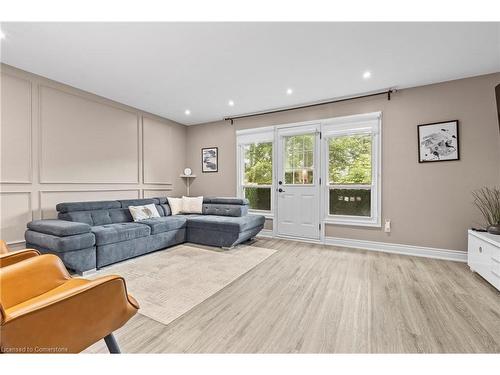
[[223, 231]]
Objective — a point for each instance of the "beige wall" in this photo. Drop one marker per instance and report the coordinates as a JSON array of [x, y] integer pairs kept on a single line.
[[428, 204], [62, 144]]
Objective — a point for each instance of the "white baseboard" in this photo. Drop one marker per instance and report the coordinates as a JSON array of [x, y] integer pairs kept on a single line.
[[386, 247], [266, 233]]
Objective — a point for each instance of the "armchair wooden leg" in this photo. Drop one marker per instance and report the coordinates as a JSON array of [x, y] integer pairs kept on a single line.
[[112, 344]]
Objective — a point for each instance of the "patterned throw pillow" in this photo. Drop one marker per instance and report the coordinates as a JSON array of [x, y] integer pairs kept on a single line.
[[147, 211]]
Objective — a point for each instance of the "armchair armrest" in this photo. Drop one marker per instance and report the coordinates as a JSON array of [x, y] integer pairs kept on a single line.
[[60, 228], [13, 257], [71, 317]]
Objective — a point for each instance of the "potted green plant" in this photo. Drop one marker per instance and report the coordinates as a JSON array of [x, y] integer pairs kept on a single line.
[[487, 200]]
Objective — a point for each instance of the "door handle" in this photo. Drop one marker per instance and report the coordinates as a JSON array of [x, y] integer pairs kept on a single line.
[[280, 190]]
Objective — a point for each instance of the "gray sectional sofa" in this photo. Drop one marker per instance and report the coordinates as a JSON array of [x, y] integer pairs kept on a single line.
[[90, 235]]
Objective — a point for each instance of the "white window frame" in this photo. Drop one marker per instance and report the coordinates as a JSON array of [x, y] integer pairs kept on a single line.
[[369, 123], [248, 137]]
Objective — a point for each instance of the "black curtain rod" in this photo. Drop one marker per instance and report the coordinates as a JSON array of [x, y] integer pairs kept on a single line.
[[386, 92]]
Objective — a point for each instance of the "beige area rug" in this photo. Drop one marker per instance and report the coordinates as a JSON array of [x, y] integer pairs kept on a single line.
[[169, 283]]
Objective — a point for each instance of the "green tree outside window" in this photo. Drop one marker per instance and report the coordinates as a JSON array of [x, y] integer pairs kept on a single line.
[[258, 160], [350, 160]]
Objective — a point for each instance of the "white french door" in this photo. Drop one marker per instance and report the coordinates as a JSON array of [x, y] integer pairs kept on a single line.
[[298, 181]]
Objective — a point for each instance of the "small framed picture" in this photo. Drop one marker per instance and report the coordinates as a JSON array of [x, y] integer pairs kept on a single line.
[[438, 141], [209, 159]]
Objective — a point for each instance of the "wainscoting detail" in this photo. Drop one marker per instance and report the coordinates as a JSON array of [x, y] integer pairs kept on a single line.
[[100, 142], [62, 144], [154, 153], [16, 131], [16, 210], [154, 193]]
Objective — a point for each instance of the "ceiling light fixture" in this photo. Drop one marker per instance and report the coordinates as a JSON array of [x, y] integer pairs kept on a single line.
[[289, 91], [367, 74], [230, 103], [187, 112]]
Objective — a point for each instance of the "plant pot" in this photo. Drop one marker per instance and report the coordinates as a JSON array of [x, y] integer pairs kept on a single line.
[[494, 229]]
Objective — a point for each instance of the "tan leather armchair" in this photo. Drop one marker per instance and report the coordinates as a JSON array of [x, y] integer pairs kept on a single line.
[[44, 310], [10, 257]]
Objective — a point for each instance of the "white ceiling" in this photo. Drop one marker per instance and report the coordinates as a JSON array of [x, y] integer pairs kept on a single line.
[[166, 68]]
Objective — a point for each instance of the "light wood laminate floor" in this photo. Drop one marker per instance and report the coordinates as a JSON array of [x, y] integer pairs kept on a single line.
[[310, 298]]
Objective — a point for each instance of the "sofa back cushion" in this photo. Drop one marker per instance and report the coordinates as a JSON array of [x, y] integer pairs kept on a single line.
[[78, 216], [97, 217], [225, 206], [224, 209], [111, 212], [120, 215], [105, 212], [166, 209]]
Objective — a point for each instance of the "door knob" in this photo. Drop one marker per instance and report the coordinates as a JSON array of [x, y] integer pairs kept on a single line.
[[280, 190], [280, 182]]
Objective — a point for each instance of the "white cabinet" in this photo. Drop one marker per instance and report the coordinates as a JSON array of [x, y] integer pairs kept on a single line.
[[484, 256]]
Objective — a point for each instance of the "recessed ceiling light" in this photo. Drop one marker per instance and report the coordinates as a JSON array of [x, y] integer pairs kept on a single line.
[[289, 91], [367, 74], [187, 112], [2, 35], [230, 103]]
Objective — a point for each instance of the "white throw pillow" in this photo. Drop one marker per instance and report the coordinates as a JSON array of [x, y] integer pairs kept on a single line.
[[147, 211], [192, 205], [175, 205]]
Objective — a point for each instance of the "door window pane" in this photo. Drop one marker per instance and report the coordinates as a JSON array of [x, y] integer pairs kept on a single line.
[[354, 202], [259, 197], [350, 160], [299, 159]]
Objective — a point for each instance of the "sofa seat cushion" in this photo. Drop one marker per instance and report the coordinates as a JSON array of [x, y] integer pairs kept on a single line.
[[225, 223], [118, 232], [165, 223]]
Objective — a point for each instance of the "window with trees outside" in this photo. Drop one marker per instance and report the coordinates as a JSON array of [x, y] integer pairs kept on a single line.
[[352, 188], [258, 174], [350, 175]]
